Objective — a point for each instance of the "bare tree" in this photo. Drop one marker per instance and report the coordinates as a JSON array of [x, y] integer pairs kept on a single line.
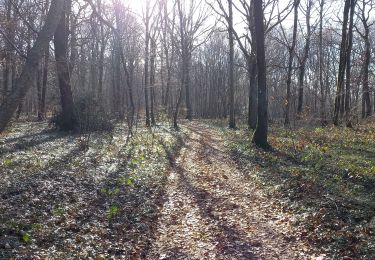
[[62, 66], [261, 132], [364, 16], [340, 93], [321, 66], [291, 48], [305, 56]]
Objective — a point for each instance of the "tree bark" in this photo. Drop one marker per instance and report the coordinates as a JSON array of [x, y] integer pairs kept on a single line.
[[253, 105], [366, 101], [261, 131], [304, 59], [146, 76], [290, 65], [339, 99], [348, 64], [63, 72], [152, 80], [232, 119], [42, 104], [321, 67]]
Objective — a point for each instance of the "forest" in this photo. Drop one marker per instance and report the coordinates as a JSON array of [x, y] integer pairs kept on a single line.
[[187, 129]]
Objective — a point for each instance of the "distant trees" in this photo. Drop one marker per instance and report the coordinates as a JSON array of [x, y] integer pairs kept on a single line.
[[176, 60]]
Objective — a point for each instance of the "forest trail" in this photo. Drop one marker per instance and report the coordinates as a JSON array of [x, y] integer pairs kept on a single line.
[[213, 211]]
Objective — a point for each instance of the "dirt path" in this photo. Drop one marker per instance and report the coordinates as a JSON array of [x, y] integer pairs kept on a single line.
[[212, 211]]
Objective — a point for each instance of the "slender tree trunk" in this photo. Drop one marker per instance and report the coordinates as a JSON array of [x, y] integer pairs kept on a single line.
[[146, 76], [8, 68], [348, 64], [102, 48], [339, 99], [366, 90], [290, 65], [167, 54], [366, 101], [304, 59], [22, 85], [321, 67], [152, 81], [261, 131], [232, 119], [189, 108]]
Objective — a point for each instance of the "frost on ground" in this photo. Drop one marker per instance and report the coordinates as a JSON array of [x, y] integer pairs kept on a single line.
[[60, 200]]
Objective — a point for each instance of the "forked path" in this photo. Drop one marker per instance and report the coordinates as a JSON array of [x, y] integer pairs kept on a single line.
[[213, 211]]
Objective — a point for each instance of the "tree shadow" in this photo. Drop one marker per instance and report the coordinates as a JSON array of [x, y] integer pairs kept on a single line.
[[23, 201], [231, 242], [313, 188], [23, 143]]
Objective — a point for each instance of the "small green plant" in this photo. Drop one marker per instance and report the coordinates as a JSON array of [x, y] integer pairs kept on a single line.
[[113, 211], [59, 211], [109, 192], [26, 238], [36, 227], [8, 162], [130, 182]]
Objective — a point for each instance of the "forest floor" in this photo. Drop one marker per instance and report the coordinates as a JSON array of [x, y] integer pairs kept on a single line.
[[202, 193], [214, 211]]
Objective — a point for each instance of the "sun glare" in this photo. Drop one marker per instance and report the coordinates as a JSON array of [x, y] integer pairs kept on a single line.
[[138, 5]]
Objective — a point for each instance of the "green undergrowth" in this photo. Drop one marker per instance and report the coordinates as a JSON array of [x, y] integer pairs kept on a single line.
[[326, 176]]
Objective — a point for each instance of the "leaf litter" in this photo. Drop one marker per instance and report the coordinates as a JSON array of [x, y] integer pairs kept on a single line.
[[214, 211], [60, 201]]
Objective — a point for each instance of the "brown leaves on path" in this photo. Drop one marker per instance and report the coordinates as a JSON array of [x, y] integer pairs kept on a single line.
[[213, 211]]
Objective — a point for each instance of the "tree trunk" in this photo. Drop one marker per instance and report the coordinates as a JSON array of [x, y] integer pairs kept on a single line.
[[339, 99], [42, 104], [146, 77], [290, 65], [366, 101], [63, 72], [261, 131], [304, 59], [348, 64], [321, 66], [8, 68], [232, 119], [253, 106], [28, 73], [152, 80], [186, 72]]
